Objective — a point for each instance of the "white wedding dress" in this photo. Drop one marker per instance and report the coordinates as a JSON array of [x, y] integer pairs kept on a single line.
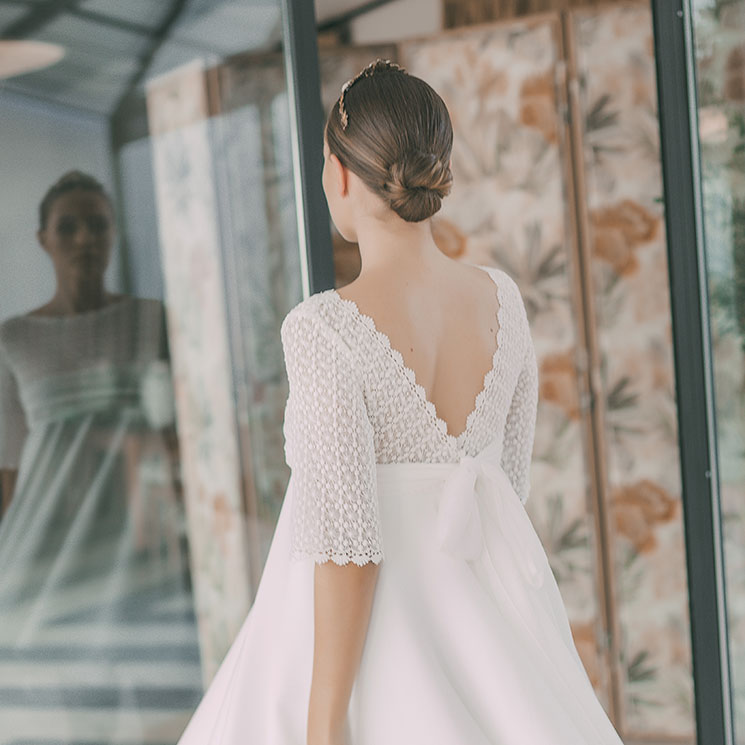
[[468, 641]]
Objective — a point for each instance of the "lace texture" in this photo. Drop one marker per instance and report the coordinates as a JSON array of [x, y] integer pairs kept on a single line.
[[329, 446], [354, 403]]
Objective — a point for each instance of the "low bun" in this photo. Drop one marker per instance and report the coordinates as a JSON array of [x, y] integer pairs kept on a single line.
[[417, 184]]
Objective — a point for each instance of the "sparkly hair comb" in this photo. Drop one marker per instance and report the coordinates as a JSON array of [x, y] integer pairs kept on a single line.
[[379, 65]]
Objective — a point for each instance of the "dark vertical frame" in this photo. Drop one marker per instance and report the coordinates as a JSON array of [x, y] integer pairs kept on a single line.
[[307, 120], [676, 89]]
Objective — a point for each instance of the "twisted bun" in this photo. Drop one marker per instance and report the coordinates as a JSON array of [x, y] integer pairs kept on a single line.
[[417, 184]]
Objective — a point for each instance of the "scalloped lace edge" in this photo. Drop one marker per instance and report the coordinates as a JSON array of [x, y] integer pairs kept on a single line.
[[440, 423], [319, 557]]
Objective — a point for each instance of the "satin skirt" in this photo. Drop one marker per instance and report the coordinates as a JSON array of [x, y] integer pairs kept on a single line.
[[468, 641]]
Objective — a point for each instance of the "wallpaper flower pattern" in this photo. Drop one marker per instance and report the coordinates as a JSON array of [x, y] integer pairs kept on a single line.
[[632, 326]]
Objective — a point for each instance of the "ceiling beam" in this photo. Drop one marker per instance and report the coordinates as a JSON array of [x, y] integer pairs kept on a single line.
[[156, 41], [38, 16], [117, 23]]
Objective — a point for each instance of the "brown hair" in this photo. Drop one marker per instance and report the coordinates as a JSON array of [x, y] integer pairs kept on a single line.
[[69, 182], [398, 139]]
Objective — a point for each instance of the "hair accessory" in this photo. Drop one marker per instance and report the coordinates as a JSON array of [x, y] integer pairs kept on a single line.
[[379, 65]]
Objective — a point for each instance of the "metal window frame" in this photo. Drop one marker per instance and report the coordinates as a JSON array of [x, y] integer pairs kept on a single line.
[[306, 127], [676, 89]]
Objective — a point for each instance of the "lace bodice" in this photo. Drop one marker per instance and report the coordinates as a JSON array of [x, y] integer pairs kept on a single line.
[[41, 353], [353, 403]]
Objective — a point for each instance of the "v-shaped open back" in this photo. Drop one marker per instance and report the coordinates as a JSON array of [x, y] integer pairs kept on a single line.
[[408, 371], [354, 404]]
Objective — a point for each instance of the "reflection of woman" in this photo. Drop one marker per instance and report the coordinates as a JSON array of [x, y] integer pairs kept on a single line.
[[406, 598], [95, 609]]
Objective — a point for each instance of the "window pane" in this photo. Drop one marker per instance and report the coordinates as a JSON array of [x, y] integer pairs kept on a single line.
[[142, 382]]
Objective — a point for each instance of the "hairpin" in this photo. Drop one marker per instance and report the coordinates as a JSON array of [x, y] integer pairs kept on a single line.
[[373, 67]]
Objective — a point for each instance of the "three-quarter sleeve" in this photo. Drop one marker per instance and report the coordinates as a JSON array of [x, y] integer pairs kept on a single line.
[[329, 446], [519, 432], [13, 428]]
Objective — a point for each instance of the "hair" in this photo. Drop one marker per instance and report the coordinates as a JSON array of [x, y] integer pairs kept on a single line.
[[397, 139], [69, 181]]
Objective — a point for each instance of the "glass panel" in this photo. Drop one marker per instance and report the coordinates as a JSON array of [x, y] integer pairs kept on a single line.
[[719, 29], [142, 382]]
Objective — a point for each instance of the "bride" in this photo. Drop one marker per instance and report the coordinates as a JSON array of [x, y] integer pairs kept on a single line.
[[406, 599]]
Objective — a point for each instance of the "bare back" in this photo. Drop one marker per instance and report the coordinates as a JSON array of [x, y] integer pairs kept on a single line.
[[445, 327]]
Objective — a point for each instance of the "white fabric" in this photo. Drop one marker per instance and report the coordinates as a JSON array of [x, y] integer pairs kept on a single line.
[[468, 641], [457, 652], [354, 403], [329, 446]]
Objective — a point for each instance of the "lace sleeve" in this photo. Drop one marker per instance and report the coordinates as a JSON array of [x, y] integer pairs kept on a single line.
[[329, 447], [519, 430]]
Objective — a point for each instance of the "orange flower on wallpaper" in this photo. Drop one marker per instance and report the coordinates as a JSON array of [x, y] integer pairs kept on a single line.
[[619, 230], [558, 383], [586, 642], [538, 105], [638, 508]]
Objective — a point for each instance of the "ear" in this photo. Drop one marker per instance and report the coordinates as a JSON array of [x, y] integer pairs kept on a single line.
[[341, 175]]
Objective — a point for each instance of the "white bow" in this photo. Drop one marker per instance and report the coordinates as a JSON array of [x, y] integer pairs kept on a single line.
[[475, 490]]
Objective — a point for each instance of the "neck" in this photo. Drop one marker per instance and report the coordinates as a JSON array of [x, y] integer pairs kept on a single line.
[[397, 248], [79, 298]]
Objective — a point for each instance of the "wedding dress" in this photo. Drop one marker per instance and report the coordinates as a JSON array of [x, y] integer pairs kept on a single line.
[[468, 641], [98, 638]]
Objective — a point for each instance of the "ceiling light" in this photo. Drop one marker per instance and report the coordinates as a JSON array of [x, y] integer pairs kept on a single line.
[[20, 57]]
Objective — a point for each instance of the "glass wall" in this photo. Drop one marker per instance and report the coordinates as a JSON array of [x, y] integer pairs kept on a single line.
[[719, 32], [150, 253]]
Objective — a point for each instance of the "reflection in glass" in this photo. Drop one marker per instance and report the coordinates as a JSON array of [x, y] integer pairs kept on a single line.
[[719, 29], [98, 639]]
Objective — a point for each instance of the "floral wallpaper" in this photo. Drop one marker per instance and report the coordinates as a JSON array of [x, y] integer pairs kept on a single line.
[[620, 173]]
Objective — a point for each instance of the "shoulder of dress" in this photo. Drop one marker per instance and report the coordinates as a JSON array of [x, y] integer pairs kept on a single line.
[[317, 312], [513, 290], [310, 307]]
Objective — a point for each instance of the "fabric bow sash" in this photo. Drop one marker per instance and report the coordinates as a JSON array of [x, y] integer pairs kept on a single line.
[[476, 490]]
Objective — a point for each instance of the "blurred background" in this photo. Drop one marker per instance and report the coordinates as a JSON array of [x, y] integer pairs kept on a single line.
[[142, 383]]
